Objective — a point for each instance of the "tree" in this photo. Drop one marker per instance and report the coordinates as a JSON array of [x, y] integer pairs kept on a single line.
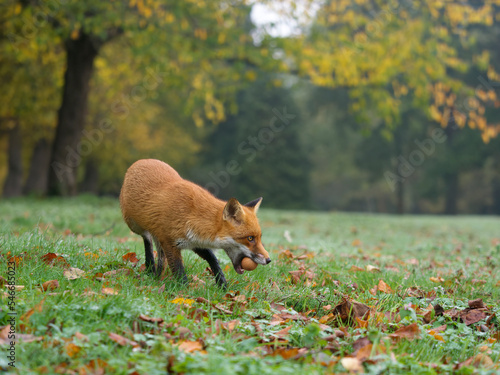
[[257, 151], [197, 43]]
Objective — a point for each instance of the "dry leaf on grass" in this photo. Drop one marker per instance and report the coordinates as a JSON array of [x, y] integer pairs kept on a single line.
[[50, 285], [120, 340], [109, 291], [149, 319], [73, 273], [408, 332], [130, 257], [190, 346], [352, 364], [348, 310]]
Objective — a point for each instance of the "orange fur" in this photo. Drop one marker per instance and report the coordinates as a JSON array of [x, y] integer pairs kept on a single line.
[[160, 205]]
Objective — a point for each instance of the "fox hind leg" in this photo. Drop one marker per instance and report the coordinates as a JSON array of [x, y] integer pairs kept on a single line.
[[148, 248], [212, 261], [171, 255]]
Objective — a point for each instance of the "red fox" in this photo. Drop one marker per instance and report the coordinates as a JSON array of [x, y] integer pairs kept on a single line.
[[175, 214]]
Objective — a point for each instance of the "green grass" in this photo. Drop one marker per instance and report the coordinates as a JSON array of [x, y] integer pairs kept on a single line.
[[88, 232]]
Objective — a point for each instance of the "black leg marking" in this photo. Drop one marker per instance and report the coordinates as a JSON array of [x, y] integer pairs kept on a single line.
[[150, 260], [210, 257], [160, 261]]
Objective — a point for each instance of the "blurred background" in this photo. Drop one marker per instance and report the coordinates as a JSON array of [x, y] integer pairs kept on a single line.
[[361, 105]]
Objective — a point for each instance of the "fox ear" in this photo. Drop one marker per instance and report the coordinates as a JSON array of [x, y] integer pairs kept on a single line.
[[255, 204], [233, 211]]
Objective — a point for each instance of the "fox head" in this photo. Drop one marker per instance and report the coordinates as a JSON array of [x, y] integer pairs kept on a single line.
[[243, 233]]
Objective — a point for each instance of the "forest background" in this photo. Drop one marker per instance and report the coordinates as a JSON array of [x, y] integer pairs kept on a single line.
[[363, 105]]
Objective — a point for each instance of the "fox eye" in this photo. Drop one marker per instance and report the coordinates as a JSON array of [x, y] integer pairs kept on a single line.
[[251, 238]]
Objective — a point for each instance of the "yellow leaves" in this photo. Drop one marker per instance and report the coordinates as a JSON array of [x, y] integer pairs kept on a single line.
[[221, 38], [200, 34], [18, 8], [72, 350], [75, 34], [183, 301], [436, 279], [250, 75], [169, 17]]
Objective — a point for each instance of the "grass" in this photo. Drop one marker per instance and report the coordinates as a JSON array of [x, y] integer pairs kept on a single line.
[[267, 321]]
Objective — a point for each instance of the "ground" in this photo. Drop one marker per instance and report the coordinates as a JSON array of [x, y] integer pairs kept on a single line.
[[344, 293]]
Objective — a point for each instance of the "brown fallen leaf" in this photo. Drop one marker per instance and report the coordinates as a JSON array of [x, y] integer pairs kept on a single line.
[[384, 287], [284, 332], [130, 257], [116, 272], [109, 291], [50, 285], [356, 269], [72, 350], [38, 308], [150, 319], [190, 346], [54, 259], [120, 340], [473, 316], [94, 367], [73, 273], [476, 304], [357, 242], [408, 332], [81, 337], [347, 310], [286, 353]]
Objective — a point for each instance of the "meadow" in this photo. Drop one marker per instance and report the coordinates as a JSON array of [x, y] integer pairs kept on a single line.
[[345, 293]]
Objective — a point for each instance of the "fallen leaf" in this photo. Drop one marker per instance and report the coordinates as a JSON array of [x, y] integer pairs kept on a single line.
[[81, 337], [190, 346], [130, 257], [38, 308], [286, 353], [436, 279], [352, 364], [473, 316], [115, 272], [348, 310], [476, 304], [120, 340], [73, 273], [356, 243], [371, 268], [284, 332], [408, 332], [72, 349], [356, 269], [383, 287], [50, 285], [109, 291], [94, 367], [150, 320], [54, 259]]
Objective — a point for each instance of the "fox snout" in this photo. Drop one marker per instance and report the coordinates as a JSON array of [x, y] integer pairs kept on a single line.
[[266, 260]]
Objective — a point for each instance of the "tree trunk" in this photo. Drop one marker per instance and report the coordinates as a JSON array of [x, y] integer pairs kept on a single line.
[[14, 182], [67, 152], [37, 177], [451, 193], [90, 183], [400, 204]]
